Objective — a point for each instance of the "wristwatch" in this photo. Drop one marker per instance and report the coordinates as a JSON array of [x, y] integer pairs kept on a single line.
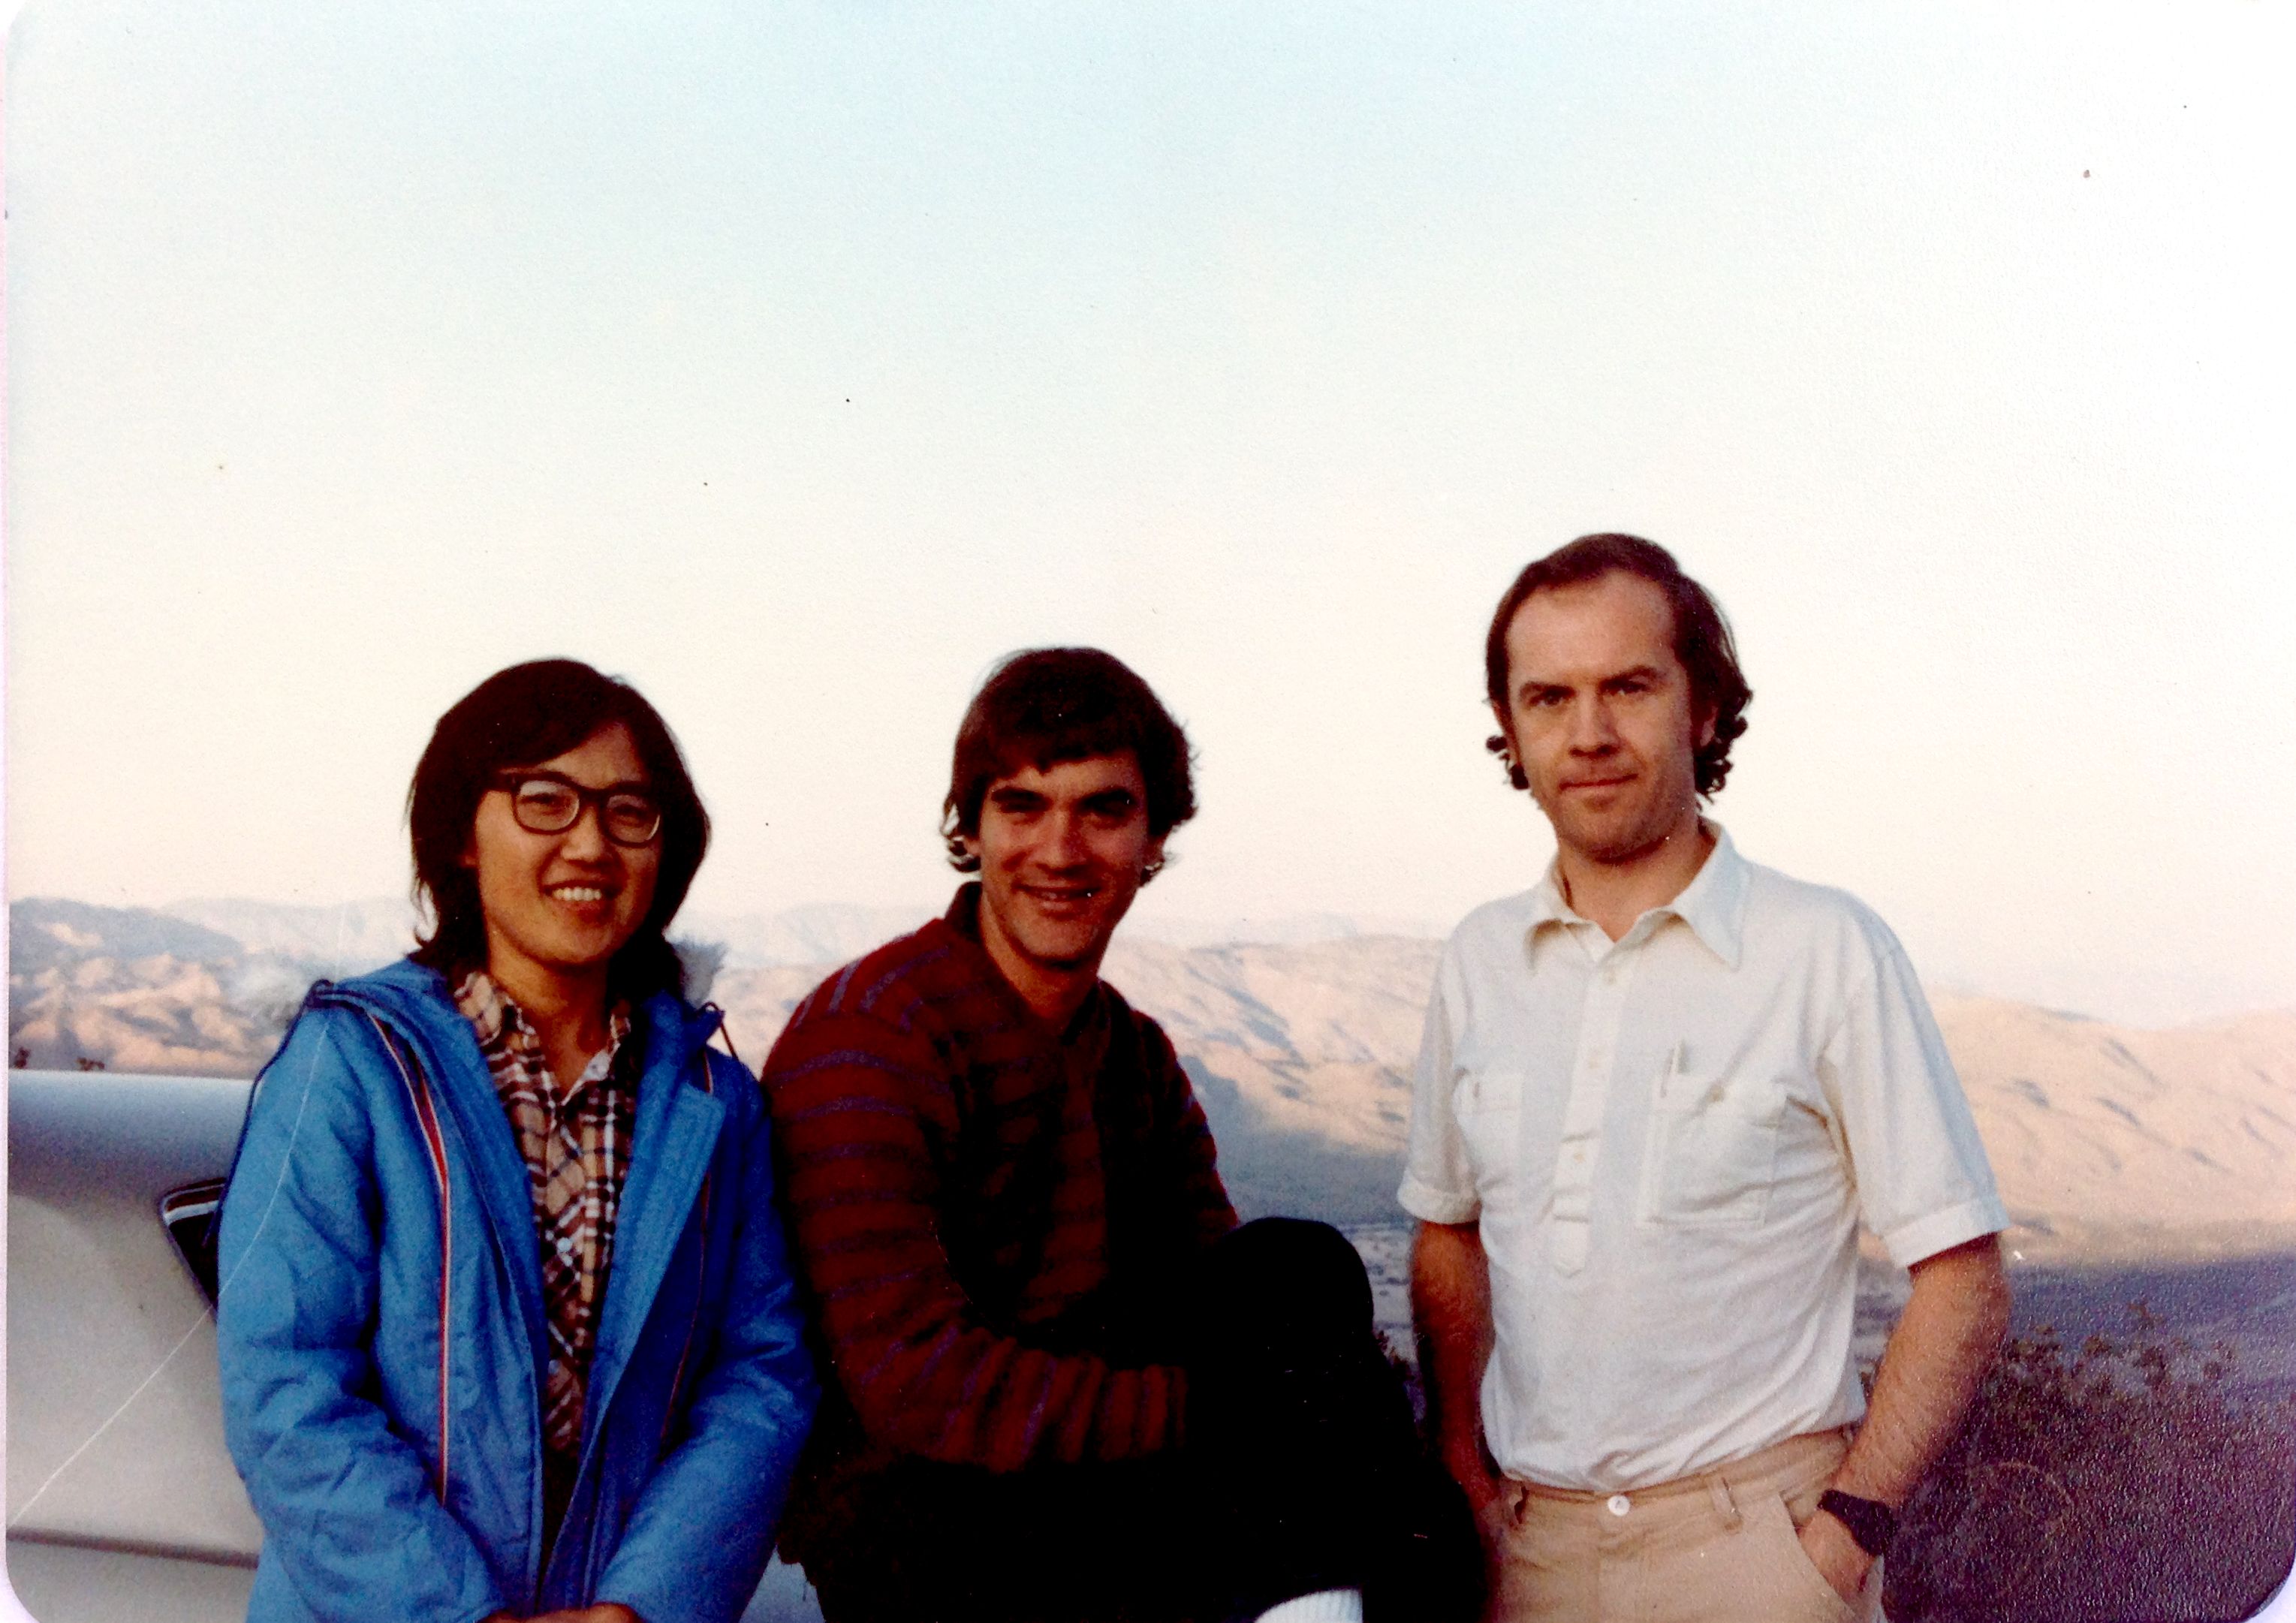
[[1871, 1523]]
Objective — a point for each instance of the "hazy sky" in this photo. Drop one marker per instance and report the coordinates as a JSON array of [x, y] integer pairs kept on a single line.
[[797, 361]]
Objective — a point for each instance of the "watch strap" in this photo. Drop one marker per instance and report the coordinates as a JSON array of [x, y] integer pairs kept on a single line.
[[1871, 1523]]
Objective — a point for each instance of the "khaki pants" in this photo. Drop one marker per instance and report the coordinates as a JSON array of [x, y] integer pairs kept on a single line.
[[1717, 1547]]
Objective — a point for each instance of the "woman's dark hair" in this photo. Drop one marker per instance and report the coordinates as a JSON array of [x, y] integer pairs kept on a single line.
[[520, 718], [1045, 706], [1701, 641]]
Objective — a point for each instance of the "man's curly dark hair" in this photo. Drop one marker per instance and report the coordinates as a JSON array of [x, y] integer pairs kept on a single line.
[[1701, 641], [1044, 706]]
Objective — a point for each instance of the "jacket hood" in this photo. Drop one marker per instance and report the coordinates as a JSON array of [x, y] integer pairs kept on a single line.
[[415, 1001]]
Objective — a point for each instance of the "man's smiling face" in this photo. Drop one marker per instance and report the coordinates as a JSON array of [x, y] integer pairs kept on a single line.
[[1062, 852], [1600, 716]]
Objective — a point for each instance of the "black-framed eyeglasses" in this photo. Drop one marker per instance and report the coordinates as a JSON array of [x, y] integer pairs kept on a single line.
[[549, 803]]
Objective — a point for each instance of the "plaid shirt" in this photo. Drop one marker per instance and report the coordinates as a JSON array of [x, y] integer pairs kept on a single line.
[[577, 1149]]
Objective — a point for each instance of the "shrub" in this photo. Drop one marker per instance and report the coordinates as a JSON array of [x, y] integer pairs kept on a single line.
[[2125, 1481]]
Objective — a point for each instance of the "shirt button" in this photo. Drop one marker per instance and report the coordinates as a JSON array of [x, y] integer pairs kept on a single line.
[[1620, 1505]]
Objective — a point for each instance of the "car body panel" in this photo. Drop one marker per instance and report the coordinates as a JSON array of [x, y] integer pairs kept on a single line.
[[123, 1503], [115, 1424]]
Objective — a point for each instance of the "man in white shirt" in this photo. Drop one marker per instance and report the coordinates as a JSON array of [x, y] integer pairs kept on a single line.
[[1657, 1096]]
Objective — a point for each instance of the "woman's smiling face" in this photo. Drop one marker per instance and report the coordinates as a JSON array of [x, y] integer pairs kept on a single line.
[[560, 905]]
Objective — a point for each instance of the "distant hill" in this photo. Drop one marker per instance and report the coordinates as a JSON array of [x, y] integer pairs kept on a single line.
[[824, 933], [1301, 1055], [45, 932], [129, 988], [207, 986], [333, 941], [2113, 1139], [2109, 1141], [349, 936]]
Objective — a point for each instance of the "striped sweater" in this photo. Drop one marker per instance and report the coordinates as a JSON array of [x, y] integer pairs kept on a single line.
[[992, 1218]]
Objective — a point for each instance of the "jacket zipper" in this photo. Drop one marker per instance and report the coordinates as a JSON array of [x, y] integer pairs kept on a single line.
[[701, 1281], [418, 1092]]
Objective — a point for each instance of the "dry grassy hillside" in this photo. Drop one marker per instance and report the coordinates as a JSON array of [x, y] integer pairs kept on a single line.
[[2111, 1140], [2108, 1141]]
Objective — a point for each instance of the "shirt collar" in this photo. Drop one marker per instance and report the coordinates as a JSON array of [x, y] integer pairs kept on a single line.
[[1713, 904], [500, 1024], [487, 1007]]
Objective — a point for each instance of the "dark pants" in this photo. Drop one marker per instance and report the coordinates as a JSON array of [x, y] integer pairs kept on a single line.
[[1302, 1472]]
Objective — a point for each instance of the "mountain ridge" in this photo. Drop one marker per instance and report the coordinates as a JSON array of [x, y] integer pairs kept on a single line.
[[2108, 1141]]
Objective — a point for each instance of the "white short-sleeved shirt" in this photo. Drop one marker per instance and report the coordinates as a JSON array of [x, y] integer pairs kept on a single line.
[[1668, 1142]]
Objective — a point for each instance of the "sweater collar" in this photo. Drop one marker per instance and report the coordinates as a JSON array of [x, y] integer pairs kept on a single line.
[[963, 923]]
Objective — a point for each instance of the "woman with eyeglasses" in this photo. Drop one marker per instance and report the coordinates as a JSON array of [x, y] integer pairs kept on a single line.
[[506, 1327]]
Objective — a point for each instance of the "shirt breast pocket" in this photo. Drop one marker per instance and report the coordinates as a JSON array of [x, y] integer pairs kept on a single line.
[[1488, 1106], [1711, 1154]]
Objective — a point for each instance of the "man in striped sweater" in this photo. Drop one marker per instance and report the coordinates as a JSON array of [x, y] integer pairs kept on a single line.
[[1028, 1281]]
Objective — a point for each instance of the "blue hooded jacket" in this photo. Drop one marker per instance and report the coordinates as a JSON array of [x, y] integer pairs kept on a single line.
[[383, 1344]]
